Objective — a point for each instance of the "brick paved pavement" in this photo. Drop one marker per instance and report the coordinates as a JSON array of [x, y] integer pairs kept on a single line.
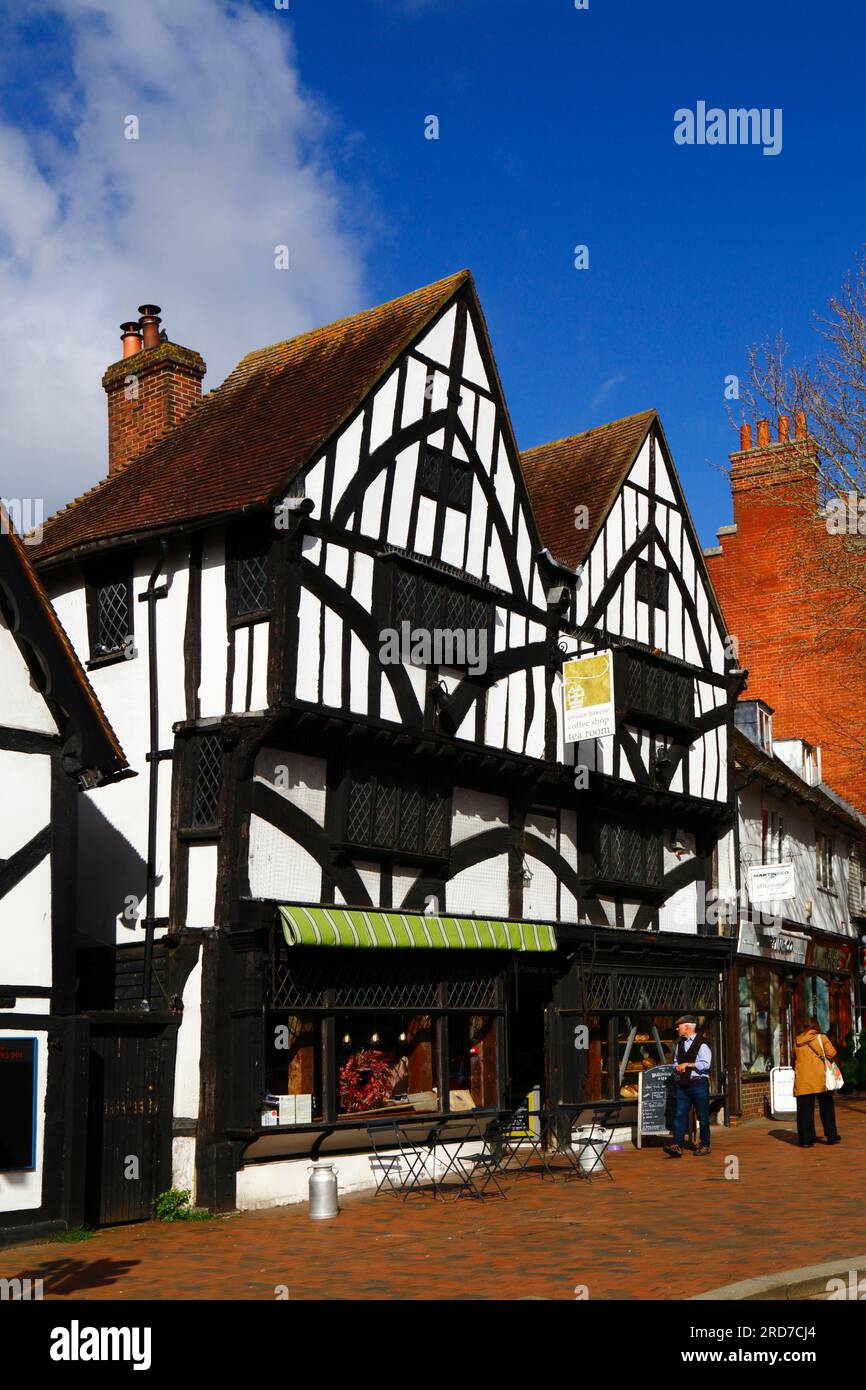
[[664, 1228]]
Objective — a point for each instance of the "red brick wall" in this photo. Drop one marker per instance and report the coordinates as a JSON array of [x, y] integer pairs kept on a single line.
[[148, 394], [781, 582], [754, 1097]]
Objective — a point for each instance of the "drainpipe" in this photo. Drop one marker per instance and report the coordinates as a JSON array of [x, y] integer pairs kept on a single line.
[[150, 596]]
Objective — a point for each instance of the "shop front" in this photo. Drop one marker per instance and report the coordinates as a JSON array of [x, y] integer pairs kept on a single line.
[[784, 975], [379, 1015], [614, 1014]]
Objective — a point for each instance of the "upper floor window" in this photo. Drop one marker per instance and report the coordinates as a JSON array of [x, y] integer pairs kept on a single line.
[[774, 838], [428, 603], [251, 576], [651, 584], [457, 478], [658, 691], [625, 854], [383, 812], [824, 848], [109, 605], [207, 782], [765, 729]]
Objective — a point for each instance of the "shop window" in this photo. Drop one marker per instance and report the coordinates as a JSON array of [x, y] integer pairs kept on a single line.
[[472, 1075], [760, 992], [817, 992], [383, 813], [386, 1063], [824, 848]]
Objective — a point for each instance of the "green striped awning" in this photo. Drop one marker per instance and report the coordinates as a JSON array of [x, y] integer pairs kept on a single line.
[[342, 926]]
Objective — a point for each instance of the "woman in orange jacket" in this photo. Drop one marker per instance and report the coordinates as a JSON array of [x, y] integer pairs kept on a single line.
[[810, 1048]]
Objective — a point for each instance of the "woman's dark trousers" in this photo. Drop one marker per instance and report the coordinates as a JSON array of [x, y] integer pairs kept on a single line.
[[806, 1116]]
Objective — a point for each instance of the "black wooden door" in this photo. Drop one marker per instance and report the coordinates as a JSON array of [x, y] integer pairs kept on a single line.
[[130, 1108]]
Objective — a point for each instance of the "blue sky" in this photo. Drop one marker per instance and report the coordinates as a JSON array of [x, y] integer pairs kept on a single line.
[[556, 128]]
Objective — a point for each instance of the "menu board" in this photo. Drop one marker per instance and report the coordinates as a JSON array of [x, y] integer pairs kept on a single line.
[[17, 1103], [656, 1100]]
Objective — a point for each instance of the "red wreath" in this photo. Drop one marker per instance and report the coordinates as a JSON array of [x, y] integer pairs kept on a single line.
[[365, 1081]]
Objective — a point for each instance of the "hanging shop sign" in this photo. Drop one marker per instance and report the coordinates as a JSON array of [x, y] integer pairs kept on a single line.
[[836, 957], [587, 697], [771, 882]]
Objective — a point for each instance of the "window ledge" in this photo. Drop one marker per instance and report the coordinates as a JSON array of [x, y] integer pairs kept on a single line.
[[109, 659], [192, 834], [828, 892], [263, 615]]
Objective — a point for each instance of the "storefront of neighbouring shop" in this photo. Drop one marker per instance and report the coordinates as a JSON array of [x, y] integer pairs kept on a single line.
[[785, 974]]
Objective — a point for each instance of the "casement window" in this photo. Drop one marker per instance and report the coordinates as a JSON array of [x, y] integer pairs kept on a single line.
[[773, 837], [437, 472], [385, 813], [432, 604], [109, 607], [207, 782], [824, 847], [657, 692], [625, 854], [651, 584], [250, 576], [765, 730]]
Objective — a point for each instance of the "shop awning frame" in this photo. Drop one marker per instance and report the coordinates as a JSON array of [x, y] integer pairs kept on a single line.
[[314, 925]]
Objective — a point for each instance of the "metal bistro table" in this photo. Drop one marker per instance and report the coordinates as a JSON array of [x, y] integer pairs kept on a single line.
[[406, 1156], [555, 1141]]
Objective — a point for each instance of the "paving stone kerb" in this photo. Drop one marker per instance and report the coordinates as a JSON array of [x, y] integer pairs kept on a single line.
[[664, 1229], [792, 1284]]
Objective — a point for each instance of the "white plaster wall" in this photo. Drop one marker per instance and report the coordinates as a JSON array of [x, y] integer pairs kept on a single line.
[[183, 1164], [22, 1191], [187, 1067], [201, 890], [21, 705], [25, 929], [214, 641]]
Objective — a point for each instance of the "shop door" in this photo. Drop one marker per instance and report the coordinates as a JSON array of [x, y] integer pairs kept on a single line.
[[129, 1118]]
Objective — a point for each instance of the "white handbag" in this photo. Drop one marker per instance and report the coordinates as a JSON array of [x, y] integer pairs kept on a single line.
[[833, 1078]]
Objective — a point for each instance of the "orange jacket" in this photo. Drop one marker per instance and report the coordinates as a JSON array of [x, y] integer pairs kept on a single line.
[[808, 1062]]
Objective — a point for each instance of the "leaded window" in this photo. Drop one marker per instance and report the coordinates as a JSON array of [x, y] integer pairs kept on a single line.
[[112, 619], [207, 782], [626, 854], [252, 579], [385, 813], [651, 582], [433, 604], [458, 478], [658, 691]]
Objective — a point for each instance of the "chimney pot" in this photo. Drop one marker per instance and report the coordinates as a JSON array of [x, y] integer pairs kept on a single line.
[[784, 428], [763, 425], [800, 424], [745, 436], [150, 322], [130, 334]]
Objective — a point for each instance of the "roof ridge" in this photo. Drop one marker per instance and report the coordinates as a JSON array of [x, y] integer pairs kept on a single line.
[[584, 434]]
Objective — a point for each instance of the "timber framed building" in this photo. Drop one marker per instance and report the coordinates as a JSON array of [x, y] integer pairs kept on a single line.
[[371, 872]]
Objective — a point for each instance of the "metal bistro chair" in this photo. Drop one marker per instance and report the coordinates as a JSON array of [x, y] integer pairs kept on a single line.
[[397, 1164], [604, 1123], [510, 1134], [485, 1168]]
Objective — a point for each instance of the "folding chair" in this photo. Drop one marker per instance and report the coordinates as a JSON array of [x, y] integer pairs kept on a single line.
[[485, 1165], [556, 1145], [510, 1138], [603, 1124], [387, 1167]]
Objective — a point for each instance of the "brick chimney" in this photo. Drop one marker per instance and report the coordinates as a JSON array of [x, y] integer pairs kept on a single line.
[[774, 471], [150, 390]]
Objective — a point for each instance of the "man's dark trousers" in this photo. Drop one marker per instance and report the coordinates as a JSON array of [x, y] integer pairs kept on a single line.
[[696, 1094], [806, 1116]]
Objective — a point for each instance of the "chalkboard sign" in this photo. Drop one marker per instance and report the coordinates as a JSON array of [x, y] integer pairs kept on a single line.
[[17, 1103], [656, 1100]]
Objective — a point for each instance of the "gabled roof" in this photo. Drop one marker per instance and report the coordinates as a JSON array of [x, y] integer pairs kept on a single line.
[[251, 436], [91, 743], [821, 798], [587, 469]]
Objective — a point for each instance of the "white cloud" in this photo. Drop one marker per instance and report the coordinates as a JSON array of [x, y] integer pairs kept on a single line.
[[605, 389], [232, 160]]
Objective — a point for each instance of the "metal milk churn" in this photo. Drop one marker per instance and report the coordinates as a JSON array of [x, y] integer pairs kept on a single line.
[[323, 1191]]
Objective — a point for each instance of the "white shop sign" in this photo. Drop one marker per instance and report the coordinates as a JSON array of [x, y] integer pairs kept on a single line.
[[771, 882], [786, 947], [587, 697]]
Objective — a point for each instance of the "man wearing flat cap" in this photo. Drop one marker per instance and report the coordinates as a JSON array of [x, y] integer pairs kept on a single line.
[[692, 1062]]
